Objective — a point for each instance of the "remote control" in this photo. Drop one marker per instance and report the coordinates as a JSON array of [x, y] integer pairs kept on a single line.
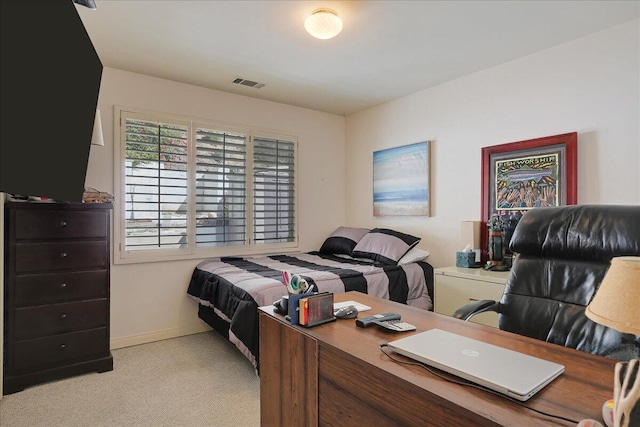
[[365, 322], [395, 325]]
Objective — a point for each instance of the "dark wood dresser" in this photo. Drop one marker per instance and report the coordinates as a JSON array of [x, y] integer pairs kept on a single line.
[[56, 307]]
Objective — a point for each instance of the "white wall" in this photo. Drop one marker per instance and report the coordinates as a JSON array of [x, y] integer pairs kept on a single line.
[[148, 301], [590, 86]]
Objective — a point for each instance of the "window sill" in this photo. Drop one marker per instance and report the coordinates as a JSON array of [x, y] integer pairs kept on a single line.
[[146, 257]]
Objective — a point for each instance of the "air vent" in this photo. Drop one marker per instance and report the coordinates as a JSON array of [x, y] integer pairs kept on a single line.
[[245, 82]]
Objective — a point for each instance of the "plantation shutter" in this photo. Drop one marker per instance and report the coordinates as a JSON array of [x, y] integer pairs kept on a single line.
[[191, 189], [221, 158], [273, 191], [155, 184]]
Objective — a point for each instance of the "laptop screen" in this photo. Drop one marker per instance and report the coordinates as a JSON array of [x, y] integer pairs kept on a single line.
[[506, 371]]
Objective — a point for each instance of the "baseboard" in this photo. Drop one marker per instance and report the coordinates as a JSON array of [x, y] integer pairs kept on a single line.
[[157, 336]]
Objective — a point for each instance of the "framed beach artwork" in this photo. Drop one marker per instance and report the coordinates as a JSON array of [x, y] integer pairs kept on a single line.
[[520, 176], [401, 181]]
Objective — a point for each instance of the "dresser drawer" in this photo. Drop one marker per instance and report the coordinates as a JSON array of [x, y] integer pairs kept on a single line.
[[60, 348], [31, 322], [60, 256], [33, 289], [60, 224]]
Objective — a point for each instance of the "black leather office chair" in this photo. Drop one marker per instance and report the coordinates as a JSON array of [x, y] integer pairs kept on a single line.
[[563, 255]]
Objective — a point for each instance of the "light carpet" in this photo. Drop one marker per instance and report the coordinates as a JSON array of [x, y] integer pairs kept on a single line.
[[196, 380]]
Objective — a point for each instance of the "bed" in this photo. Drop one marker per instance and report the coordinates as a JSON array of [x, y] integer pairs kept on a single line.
[[229, 290]]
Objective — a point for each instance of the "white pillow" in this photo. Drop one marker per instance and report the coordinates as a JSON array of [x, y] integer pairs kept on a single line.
[[414, 255]]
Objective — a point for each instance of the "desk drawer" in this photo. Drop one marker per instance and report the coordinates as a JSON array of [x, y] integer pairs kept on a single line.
[[61, 256], [60, 348], [31, 322], [60, 224], [33, 289]]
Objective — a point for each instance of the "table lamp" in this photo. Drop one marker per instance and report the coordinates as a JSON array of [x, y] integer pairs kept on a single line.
[[616, 304]]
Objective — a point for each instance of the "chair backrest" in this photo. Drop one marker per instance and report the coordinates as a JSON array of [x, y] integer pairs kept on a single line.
[[563, 254]]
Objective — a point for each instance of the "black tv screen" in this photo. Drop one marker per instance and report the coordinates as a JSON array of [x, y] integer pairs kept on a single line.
[[50, 83]]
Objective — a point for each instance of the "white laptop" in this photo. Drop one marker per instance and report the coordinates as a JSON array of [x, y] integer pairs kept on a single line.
[[508, 372]]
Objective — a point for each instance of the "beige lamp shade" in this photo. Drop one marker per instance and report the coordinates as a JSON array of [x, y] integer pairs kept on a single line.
[[323, 24], [97, 138], [617, 301]]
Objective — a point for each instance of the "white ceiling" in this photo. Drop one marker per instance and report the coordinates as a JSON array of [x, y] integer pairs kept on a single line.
[[387, 49]]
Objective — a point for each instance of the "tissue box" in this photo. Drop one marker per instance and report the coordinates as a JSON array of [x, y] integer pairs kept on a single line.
[[465, 259]]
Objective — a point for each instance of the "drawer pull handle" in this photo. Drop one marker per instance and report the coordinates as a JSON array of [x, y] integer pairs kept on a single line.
[[63, 255], [474, 299], [63, 223], [63, 285], [63, 316], [63, 346]]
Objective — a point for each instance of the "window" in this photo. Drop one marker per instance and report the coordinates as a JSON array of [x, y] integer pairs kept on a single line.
[[192, 189], [221, 165], [156, 184], [273, 190]]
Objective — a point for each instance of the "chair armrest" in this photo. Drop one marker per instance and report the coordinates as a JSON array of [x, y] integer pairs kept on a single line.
[[466, 312]]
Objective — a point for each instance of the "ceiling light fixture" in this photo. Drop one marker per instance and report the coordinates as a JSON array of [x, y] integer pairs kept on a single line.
[[323, 24]]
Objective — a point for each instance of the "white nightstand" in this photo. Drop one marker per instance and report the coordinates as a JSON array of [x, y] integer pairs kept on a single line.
[[455, 287]]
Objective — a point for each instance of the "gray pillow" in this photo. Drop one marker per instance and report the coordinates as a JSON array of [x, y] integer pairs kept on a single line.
[[343, 240], [384, 245]]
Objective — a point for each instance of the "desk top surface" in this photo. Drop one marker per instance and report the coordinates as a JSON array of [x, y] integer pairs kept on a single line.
[[576, 394]]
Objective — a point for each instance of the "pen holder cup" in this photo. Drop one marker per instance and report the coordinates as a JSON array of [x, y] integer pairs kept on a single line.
[[465, 259], [294, 310]]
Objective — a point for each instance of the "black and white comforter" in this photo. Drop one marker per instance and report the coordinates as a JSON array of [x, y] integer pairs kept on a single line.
[[235, 287]]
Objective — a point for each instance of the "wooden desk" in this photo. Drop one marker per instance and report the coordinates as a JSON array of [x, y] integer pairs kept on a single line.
[[335, 374]]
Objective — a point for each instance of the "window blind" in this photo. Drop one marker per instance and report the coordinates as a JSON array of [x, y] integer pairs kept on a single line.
[[220, 188], [273, 190], [194, 188], [156, 184]]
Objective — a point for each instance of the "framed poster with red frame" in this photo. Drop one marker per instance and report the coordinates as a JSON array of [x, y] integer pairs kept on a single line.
[[519, 176]]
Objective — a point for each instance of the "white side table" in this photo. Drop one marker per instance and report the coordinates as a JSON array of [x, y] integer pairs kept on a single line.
[[456, 286]]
